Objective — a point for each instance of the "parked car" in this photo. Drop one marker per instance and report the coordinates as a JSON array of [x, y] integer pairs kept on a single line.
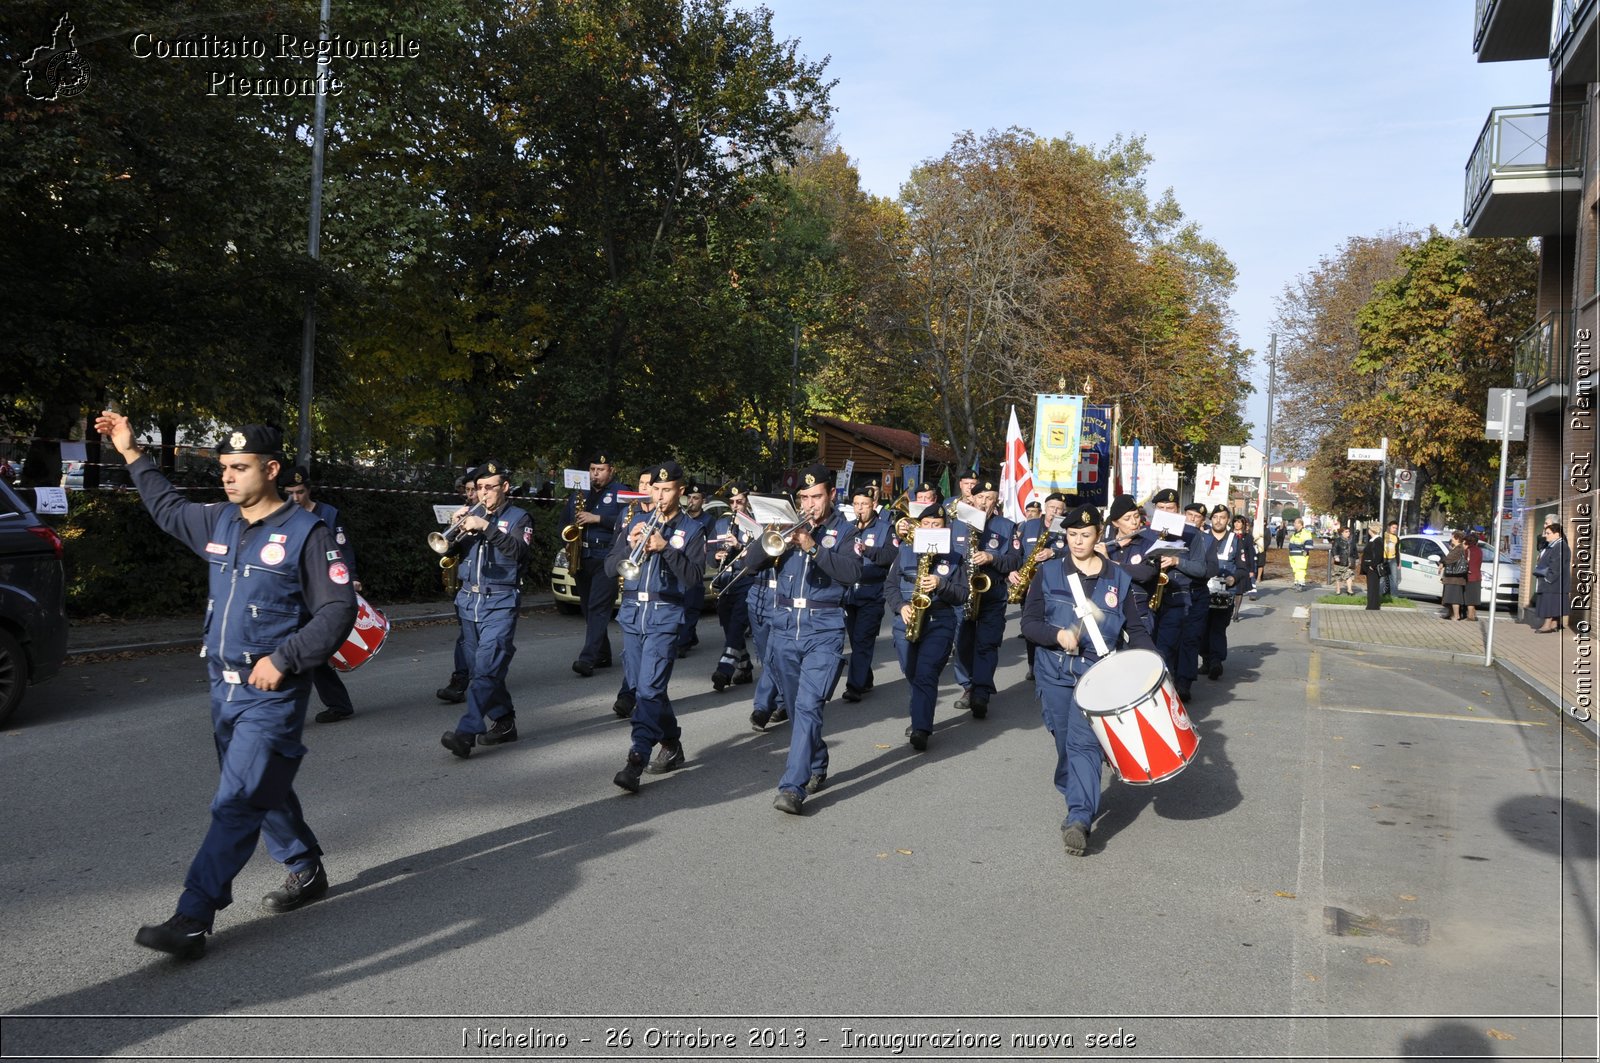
[[113, 476], [564, 585], [1422, 563], [33, 614]]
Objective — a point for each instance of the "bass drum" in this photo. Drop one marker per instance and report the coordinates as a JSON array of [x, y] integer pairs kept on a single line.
[[371, 631], [1135, 712]]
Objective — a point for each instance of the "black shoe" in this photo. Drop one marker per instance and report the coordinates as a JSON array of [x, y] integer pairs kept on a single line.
[[334, 715], [453, 694], [1215, 671], [1075, 839], [919, 740], [743, 676], [760, 718], [980, 709], [500, 731], [602, 662], [624, 704], [628, 778], [457, 743], [780, 715], [964, 702], [183, 936], [298, 890], [851, 694], [720, 681], [683, 651], [1030, 675], [790, 802], [583, 668], [816, 783], [668, 760]]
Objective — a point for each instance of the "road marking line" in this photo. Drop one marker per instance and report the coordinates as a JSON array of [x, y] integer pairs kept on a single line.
[[1432, 716], [1308, 955]]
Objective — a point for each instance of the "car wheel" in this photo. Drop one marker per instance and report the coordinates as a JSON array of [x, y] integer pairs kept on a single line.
[[13, 675]]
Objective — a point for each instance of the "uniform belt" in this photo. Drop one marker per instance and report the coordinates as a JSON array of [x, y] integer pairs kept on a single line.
[[773, 582], [653, 596], [485, 588], [805, 603]]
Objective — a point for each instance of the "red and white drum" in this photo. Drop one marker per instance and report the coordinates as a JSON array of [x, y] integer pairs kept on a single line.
[[364, 640], [1136, 714]]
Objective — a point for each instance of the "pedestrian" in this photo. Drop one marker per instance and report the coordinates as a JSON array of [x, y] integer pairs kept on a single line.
[[1373, 566], [1065, 597], [1553, 570], [660, 558], [1343, 555], [1283, 529], [496, 546], [1248, 568], [1391, 558], [1475, 574], [281, 603], [296, 484], [1300, 541], [1453, 571]]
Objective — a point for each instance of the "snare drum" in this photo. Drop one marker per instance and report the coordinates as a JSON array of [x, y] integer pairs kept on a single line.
[[364, 640], [1136, 714]]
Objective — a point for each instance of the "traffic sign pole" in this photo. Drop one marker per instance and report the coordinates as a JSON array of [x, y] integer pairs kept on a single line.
[[1499, 518]]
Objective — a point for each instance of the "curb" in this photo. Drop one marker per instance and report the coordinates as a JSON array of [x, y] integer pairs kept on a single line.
[[1539, 690]]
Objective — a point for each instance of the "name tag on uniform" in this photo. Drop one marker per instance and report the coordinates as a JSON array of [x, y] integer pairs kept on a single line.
[[229, 676], [216, 548]]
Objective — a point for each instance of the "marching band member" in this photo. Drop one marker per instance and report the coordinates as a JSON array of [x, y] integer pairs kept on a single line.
[[991, 552], [966, 483], [1127, 543], [597, 520], [455, 691], [942, 579], [694, 601], [1178, 626], [733, 603], [626, 697], [1027, 540], [659, 557], [864, 601], [497, 546], [1080, 589], [806, 643], [330, 688], [1235, 558]]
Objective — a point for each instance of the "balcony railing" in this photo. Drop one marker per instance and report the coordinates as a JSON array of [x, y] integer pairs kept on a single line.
[[1540, 358], [1515, 143], [1571, 17]]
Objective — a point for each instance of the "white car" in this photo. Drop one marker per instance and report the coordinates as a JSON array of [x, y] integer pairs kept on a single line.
[[1422, 565]]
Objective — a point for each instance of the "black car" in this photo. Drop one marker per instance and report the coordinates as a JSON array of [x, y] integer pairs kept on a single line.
[[33, 615]]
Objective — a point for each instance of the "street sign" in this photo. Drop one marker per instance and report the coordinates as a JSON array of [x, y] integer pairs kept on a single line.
[[1364, 454], [1405, 485], [1229, 459], [1519, 412], [923, 440]]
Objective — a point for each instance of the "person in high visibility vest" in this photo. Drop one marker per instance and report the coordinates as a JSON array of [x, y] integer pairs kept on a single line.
[[1300, 541]]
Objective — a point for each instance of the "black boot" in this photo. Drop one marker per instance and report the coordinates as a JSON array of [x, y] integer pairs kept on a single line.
[[628, 778]]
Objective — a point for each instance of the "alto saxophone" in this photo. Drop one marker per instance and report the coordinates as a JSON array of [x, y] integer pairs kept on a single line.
[[978, 584], [572, 535], [921, 601], [1019, 590]]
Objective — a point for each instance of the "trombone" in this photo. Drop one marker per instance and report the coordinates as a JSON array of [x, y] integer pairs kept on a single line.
[[630, 565], [774, 541], [443, 542]]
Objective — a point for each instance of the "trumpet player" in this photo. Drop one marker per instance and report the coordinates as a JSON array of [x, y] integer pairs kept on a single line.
[[1127, 546], [923, 593], [694, 603], [1179, 623], [455, 691], [863, 602], [659, 557], [496, 546], [814, 565], [595, 516], [733, 606], [991, 556], [1029, 547]]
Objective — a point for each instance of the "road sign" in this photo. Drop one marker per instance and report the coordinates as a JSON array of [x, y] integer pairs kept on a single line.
[[923, 440], [1405, 485], [1229, 459], [1519, 412], [1364, 454]]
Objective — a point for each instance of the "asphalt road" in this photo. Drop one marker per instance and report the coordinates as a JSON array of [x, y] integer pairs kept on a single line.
[[1372, 856]]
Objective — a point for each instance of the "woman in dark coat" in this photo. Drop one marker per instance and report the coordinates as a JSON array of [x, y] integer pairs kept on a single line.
[[1372, 566], [1455, 583], [1553, 570], [1475, 575]]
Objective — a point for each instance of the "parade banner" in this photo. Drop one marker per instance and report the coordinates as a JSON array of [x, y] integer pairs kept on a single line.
[[1211, 485], [1139, 480], [1094, 464], [1016, 477], [1057, 428]]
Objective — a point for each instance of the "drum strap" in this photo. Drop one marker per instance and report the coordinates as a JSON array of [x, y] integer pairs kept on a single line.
[[1087, 611]]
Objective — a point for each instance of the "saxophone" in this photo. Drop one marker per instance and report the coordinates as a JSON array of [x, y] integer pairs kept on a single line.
[[572, 535], [921, 601], [978, 583], [1019, 590]]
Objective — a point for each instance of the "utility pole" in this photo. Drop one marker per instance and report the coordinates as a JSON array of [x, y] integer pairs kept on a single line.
[[1266, 465], [308, 339], [794, 383]]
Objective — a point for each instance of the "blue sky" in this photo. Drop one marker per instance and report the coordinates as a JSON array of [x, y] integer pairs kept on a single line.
[[1281, 128]]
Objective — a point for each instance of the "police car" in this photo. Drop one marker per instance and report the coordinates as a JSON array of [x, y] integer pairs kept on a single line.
[[564, 585], [1422, 569]]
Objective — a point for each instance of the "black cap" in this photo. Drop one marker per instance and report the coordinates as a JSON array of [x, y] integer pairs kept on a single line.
[[815, 475], [1084, 517], [737, 487], [1121, 506], [925, 486], [600, 457], [1056, 496], [927, 509], [295, 477], [1221, 509], [985, 484], [1195, 507], [1165, 495], [695, 488], [668, 471], [861, 490], [252, 439], [491, 467]]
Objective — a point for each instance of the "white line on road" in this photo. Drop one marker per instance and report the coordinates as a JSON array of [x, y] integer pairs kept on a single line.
[[1308, 958], [1432, 716]]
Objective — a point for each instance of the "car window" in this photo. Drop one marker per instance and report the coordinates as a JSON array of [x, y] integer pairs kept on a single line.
[[1430, 550], [1411, 547]]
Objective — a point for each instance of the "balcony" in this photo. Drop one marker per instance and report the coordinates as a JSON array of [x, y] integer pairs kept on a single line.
[[1521, 179], [1572, 43], [1541, 360], [1511, 29]]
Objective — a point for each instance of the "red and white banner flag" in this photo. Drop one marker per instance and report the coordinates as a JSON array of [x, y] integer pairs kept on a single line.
[[1016, 475]]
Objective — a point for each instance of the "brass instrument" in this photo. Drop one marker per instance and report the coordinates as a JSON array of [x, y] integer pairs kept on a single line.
[[572, 535], [443, 542], [1155, 596], [775, 541], [629, 566], [978, 583], [1019, 590], [921, 601]]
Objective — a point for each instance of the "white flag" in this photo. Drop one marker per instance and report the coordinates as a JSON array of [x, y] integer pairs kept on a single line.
[[1016, 475]]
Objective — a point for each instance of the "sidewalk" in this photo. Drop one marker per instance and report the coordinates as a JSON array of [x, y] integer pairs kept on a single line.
[[156, 634], [1544, 665]]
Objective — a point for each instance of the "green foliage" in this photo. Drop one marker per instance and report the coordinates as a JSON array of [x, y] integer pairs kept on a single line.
[[118, 563], [1290, 514]]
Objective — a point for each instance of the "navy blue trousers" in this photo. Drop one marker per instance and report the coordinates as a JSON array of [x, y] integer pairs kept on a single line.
[[922, 662], [597, 592], [861, 623], [978, 649], [489, 644]]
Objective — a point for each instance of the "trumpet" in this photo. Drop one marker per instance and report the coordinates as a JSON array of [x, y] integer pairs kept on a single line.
[[443, 542], [629, 568], [774, 541]]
